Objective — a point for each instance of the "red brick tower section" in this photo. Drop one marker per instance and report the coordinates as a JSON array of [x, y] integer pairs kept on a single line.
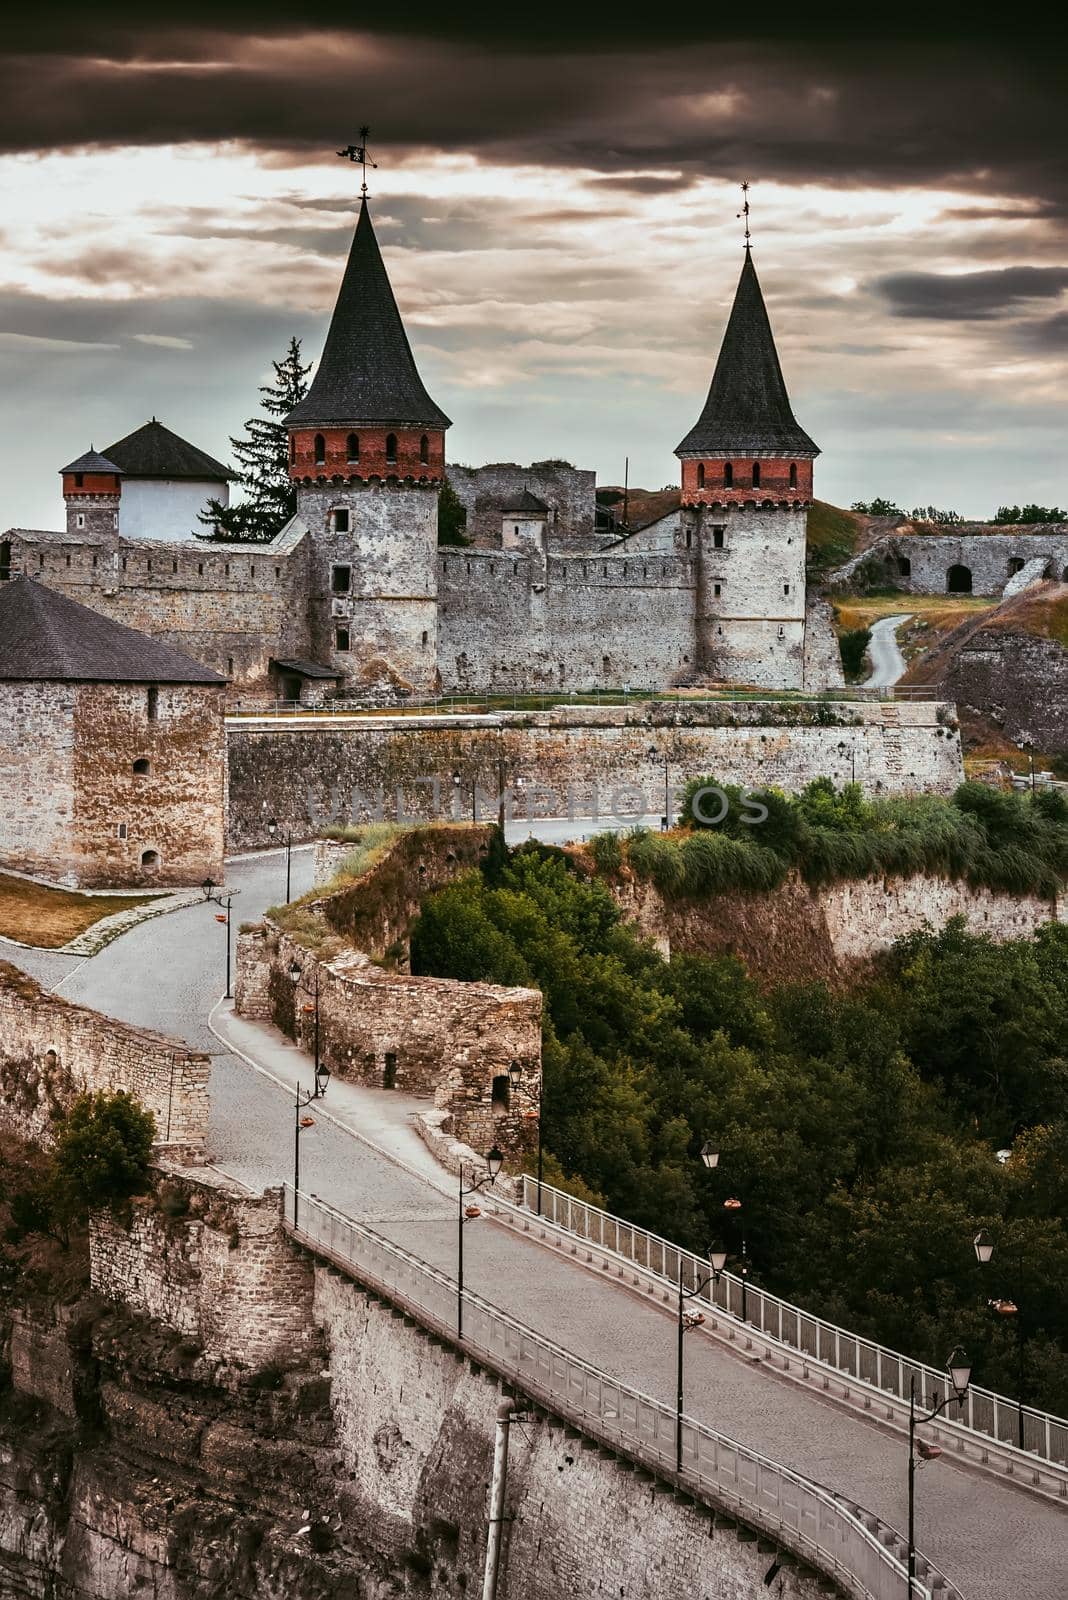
[[91, 489], [367, 450], [746, 489]]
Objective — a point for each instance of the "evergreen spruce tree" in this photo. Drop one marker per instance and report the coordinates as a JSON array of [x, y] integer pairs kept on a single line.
[[263, 457]]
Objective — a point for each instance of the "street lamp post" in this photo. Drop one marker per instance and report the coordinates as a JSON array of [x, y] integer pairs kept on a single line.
[[654, 755], [1003, 1307], [734, 1206], [959, 1370], [515, 1078], [296, 973], [494, 1163], [272, 829], [222, 916], [686, 1320]]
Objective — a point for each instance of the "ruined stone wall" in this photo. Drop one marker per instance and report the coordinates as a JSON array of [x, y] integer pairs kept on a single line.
[[210, 1261], [568, 491], [312, 776], [797, 932], [1019, 682], [990, 555], [511, 620], [51, 1051], [231, 607], [36, 774]]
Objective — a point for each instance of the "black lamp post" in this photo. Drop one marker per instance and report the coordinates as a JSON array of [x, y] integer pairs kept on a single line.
[[654, 755], [686, 1320], [959, 1370], [221, 916], [272, 829], [1003, 1307], [296, 973], [515, 1078], [734, 1207], [494, 1163]]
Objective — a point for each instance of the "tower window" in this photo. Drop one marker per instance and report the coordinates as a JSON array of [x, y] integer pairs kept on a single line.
[[786, 588], [78, 480], [424, 638], [501, 1094], [515, 529], [793, 474], [120, 830], [717, 589], [717, 538], [352, 447], [174, 566], [341, 519], [701, 476], [5, 560], [728, 474], [756, 474], [152, 706], [341, 579], [200, 569], [689, 538], [341, 638], [424, 450], [320, 449], [782, 631], [79, 522], [391, 449], [142, 766]]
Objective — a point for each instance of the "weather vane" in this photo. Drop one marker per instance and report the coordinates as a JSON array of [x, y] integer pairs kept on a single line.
[[744, 212], [358, 152]]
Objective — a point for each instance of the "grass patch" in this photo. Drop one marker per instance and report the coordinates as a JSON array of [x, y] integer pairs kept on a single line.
[[369, 844], [940, 611], [832, 536], [49, 918]]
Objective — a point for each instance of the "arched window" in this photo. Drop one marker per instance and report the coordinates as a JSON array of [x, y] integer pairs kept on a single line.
[[352, 447], [793, 474], [391, 449], [756, 474], [5, 560], [728, 474], [424, 450], [150, 859], [320, 449], [701, 476], [142, 766]]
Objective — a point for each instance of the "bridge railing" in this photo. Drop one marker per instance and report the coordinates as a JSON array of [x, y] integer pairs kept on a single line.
[[800, 1514], [992, 1415]]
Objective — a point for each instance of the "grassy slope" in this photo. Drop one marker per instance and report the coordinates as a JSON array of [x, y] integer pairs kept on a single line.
[[49, 918], [833, 535]]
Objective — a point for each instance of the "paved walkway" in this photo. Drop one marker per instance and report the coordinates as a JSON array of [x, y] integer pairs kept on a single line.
[[888, 664], [995, 1542]]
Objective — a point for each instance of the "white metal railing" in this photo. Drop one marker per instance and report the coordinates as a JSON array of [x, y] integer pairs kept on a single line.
[[840, 1540], [992, 1415]]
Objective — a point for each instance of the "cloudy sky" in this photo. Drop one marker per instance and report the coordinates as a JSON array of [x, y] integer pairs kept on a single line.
[[558, 216]]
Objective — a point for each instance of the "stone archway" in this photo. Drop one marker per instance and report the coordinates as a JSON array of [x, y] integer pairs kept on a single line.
[[959, 580]]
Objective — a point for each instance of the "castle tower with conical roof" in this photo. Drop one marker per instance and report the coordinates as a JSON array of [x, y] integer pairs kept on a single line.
[[367, 451], [746, 489]]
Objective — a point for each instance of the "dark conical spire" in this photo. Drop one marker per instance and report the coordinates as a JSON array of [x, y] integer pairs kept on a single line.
[[748, 409], [367, 374]]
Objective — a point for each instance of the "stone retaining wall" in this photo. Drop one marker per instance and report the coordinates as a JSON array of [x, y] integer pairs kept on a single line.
[[51, 1051]]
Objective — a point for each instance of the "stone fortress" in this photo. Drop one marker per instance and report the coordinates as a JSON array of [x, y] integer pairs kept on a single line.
[[355, 597]]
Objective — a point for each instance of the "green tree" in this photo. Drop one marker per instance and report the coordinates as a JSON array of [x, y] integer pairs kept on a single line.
[[452, 517], [1017, 515], [263, 454], [102, 1153], [934, 514], [877, 508], [852, 646]]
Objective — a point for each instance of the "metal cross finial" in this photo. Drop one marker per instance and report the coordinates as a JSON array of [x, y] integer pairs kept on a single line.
[[358, 152], [744, 212]]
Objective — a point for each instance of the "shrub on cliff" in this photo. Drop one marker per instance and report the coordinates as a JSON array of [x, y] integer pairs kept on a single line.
[[102, 1153]]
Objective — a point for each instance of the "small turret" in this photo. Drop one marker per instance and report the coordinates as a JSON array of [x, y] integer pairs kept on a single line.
[[91, 490]]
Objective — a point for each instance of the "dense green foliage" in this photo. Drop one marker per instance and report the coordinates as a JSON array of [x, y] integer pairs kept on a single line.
[[878, 508], [859, 1130], [852, 646], [452, 517], [1016, 515], [991, 839], [100, 1158], [270, 497]]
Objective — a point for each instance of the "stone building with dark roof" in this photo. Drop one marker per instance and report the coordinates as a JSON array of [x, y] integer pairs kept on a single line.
[[112, 760], [355, 597]]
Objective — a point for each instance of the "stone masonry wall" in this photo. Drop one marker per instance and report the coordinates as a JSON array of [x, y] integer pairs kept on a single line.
[[52, 1051], [989, 556], [210, 1262], [797, 932], [357, 768], [1017, 680], [568, 491]]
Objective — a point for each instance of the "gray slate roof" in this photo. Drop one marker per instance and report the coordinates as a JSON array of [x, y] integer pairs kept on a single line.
[[153, 451], [367, 373], [91, 461], [748, 409], [528, 503], [46, 636], [307, 669]]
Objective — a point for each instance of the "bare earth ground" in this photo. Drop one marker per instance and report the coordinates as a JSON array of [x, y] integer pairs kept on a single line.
[[49, 918]]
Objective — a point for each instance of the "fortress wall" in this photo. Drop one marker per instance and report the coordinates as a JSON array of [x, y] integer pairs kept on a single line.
[[51, 1051], [568, 491], [602, 759], [987, 555]]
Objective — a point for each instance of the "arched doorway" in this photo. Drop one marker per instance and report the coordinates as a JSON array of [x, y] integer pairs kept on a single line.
[[959, 580]]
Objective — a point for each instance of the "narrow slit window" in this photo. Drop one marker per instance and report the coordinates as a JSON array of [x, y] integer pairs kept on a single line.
[[728, 474], [756, 474], [424, 450], [793, 474], [320, 450], [391, 449], [352, 447]]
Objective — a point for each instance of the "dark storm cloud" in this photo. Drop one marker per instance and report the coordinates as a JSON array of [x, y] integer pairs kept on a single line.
[[969, 296], [802, 105]]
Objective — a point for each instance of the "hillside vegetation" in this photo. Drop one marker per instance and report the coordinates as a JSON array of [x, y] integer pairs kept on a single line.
[[833, 535], [858, 1130]]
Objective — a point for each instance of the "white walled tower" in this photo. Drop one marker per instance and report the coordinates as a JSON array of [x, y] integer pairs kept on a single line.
[[367, 452], [746, 490]]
